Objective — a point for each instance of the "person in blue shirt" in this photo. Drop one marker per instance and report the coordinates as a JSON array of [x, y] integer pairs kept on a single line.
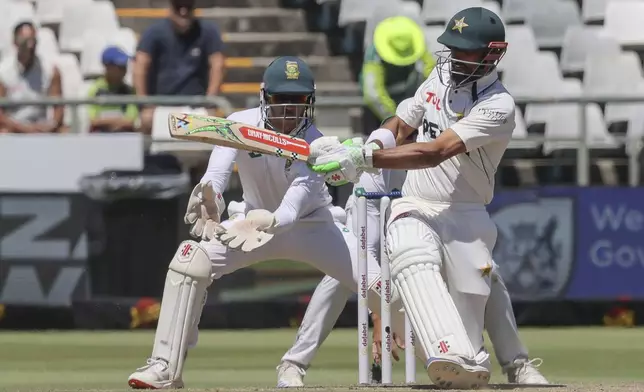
[[179, 55]]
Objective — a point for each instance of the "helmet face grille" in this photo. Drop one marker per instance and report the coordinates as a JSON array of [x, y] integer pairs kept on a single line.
[[291, 118], [463, 72]]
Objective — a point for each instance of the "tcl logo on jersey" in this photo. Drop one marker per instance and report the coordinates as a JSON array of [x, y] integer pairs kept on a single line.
[[434, 100]]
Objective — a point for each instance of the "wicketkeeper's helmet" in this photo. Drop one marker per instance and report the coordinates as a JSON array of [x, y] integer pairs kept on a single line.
[[287, 95]]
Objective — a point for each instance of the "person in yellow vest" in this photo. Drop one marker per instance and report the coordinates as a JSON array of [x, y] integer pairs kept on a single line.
[[119, 118], [395, 64]]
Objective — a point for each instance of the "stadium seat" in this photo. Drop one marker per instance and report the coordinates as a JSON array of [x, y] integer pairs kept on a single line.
[[563, 122], [439, 11], [551, 19], [625, 21], [635, 134], [581, 41], [493, 6], [355, 11], [521, 45], [619, 75], [593, 11], [515, 11], [615, 75], [125, 39], [538, 76], [521, 35], [79, 18], [622, 117], [47, 46], [19, 12], [83, 113], [606, 153], [51, 11], [94, 42], [518, 168], [396, 8], [431, 35], [72, 86], [70, 73], [520, 133]]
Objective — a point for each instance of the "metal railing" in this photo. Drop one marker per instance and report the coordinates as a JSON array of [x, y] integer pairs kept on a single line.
[[224, 105]]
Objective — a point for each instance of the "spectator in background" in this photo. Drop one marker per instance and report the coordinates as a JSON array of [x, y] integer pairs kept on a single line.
[[123, 118], [25, 76], [395, 64], [180, 55]]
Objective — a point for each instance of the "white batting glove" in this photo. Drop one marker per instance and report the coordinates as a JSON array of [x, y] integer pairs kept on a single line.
[[249, 233], [204, 211], [323, 145], [341, 164]]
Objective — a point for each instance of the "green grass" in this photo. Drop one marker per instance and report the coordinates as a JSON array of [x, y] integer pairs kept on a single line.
[[31, 361]]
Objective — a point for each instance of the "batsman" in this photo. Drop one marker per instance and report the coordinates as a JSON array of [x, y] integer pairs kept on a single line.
[[439, 234], [287, 215]]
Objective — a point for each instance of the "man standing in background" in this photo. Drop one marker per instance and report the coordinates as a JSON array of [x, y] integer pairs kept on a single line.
[[395, 64], [24, 76], [180, 55]]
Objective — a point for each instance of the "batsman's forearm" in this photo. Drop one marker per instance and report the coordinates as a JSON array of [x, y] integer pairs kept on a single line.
[[408, 157]]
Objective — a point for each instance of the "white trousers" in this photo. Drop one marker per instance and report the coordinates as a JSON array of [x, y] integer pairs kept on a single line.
[[330, 297], [326, 245]]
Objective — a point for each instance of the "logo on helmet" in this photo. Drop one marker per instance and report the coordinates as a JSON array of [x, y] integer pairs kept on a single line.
[[459, 24], [292, 70]]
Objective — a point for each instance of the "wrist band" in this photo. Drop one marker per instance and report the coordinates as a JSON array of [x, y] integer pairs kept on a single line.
[[385, 136]]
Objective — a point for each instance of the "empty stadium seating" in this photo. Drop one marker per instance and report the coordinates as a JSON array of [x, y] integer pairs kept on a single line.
[[557, 49]]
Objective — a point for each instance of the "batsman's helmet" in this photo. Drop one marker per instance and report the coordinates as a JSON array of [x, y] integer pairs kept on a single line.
[[287, 95], [473, 29]]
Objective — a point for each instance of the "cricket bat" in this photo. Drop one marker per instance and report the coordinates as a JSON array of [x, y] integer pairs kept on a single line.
[[222, 132]]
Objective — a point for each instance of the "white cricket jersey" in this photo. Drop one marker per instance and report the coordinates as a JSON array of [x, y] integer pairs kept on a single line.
[[291, 191], [483, 119]]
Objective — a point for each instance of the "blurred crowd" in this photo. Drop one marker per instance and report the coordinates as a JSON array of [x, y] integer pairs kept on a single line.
[[179, 55]]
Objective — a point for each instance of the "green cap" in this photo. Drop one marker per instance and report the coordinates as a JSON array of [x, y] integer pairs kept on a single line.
[[473, 29], [289, 75]]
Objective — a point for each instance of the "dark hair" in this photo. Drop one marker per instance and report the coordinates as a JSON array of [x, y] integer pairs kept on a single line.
[[20, 25]]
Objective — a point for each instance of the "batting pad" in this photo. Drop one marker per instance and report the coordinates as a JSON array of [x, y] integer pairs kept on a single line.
[[432, 312], [184, 295], [416, 260]]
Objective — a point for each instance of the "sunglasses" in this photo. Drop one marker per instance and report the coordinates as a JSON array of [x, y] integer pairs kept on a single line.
[[284, 98]]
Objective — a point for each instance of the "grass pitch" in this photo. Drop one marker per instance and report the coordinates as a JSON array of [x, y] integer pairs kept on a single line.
[[587, 359]]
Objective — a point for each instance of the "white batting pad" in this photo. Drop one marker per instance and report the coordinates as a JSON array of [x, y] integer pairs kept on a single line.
[[432, 312], [184, 295], [415, 269]]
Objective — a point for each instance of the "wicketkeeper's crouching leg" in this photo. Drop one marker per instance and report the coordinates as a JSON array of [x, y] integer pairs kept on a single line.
[[416, 260], [184, 296]]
